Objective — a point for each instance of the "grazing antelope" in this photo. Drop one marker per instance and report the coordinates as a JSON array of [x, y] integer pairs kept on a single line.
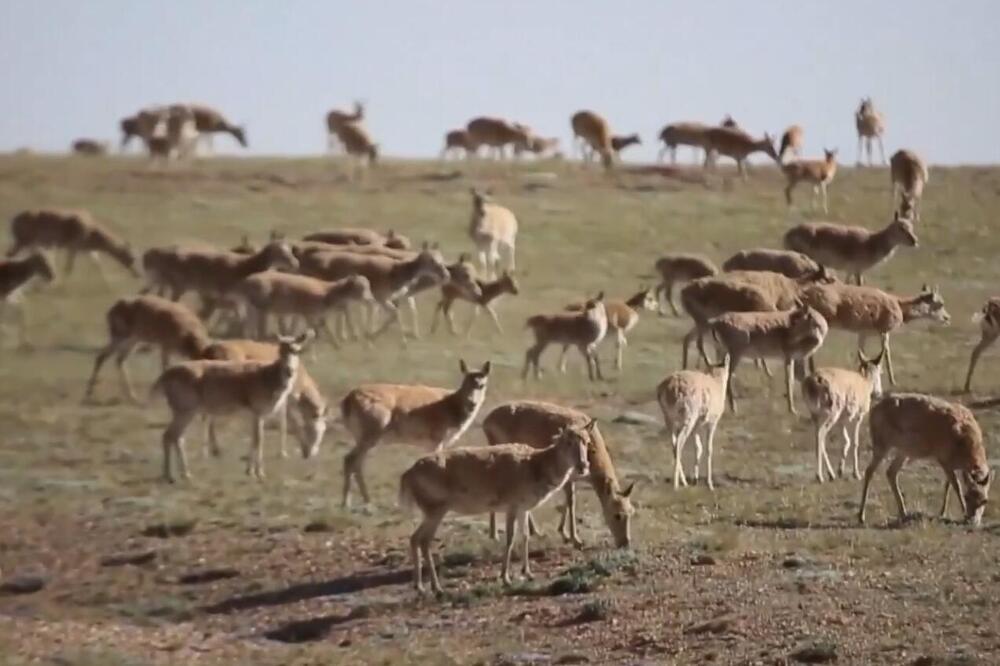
[[622, 318], [359, 145], [209, 121], [422, 415], [870, 125], [909, 175], [692, 400], [489, 291], [515, 478], [493, 229], [837, 396], [536, 424], [151, 320], [456, 141], [853, 250], [791, 140], [681, 134], [216, 388], [592, 133], [583, 330], [988, 319], [736, 144], [89, 147], [496, 134], [14, 276], [818, 173], [620, 143], [791, 335], [71, 230], [790, 264], [336, 119], [674, 268], [354, 236], [916, 426]]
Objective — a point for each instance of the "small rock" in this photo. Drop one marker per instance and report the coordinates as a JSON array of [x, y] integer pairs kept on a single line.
[[636, 418], [573, 659], [703, 560], [821, 653], [167, 530], [794, 562], [717, 625], [22, 585], [208, 576], [317, 526], [134, 559]]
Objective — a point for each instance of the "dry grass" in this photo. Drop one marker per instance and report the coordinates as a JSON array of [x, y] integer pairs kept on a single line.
[[79, 483]]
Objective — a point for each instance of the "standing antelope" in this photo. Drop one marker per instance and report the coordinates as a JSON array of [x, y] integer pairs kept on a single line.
[[496, 134], [456, 141], [14, 276], [489, 292], [736, 144], [909, 175], [336, 119], [791, 140], [691, 400], [493, 229], [584, 330], [359, 145], [421, 415], [921, 426], [209, 121], [674, 268], [514, 478], [818, 173], [215, 388], [592, 133], [622, 318], [681, 134], [71, 230], [988, 319], [870, 125], [837, 396]]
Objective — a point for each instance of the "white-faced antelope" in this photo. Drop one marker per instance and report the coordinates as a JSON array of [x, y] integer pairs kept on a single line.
[[493, 230]]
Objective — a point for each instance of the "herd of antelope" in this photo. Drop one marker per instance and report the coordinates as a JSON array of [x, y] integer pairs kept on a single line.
[[764, 304]]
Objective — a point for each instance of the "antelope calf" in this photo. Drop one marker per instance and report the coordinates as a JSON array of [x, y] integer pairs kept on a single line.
[[337, 119], [674, 268], [514, 478], [791, 140], [853, 250], [496, 134], [837, 396], [71, 230], [150, 320], [489, 291], [914, 426], [909, 175], [493, 229], [988, 319], [89, 147], [818, 173], [682, 134], [620, 143], [622, 318], [583, 330], [736, 144], [592, 133], [421, 415], [216, 388], [455, 141], [15, 274], [870, 125], [692, 400], [351, 237], [536, 424], [790, 264], [791, 335]]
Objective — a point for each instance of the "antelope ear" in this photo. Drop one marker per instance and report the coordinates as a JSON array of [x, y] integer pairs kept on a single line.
[[861, 357], [464, 257], [305, 336], [487, 367], [462, 366], [590, 426], [600, 296], [628, 491]]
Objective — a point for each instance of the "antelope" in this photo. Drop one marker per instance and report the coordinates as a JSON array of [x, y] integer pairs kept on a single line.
[[791, 335], [209, 121], [988, 319], [853, 250], [790, 264], [489, 292], [492, 229], [358, 144], [71, 230], [144, 124], [622, 318], [89, 147], [737, 144], [682, 134], [692, 400], [151, 320], [909, 175], [15, 274], [414, 414], [620, 143], [538, 145], [455, 141], [819, 173], [838, 396], [674, 268], [869, 311], [461, 276], [516, 478], [181, 133], [791, 140], [496, 134], [216, 388], [536, 424], [337, 119], [593, 134], [354, 236], [583, 330], [921, 426], [870, 125]]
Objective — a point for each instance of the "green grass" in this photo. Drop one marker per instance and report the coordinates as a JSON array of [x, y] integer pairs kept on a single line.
[[79, 483]]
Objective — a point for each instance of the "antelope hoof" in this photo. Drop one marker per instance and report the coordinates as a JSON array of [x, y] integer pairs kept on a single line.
[[506, 580]]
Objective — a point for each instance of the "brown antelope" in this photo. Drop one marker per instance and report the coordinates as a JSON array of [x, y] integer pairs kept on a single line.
[[791, 140], [870, 125], [215, 388], [988, 319], [736, 144], [691, 400], [909, 175], [71, 230], [536, 424], [592, 134], [209, 121], [515, 478], [674, 268], [359, 145], [354, 236], [145, 124], [336, 119], [496, 134], [89, 147], [682, 134], [620, 143], [421, 415], [853, 250], [818, 173], [493, 230], [790, 264], [915, 426], [584, 330], [622, 318], [15, 274], [456, 141], [489, 291], [837, 396]]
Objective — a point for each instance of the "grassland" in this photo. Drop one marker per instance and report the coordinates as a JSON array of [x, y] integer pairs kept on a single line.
[[768, 564]]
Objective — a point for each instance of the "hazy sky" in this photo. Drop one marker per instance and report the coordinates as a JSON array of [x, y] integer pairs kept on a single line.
[[72, 68]]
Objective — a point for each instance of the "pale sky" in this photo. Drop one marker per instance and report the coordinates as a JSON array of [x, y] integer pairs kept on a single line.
[[72, 68]]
